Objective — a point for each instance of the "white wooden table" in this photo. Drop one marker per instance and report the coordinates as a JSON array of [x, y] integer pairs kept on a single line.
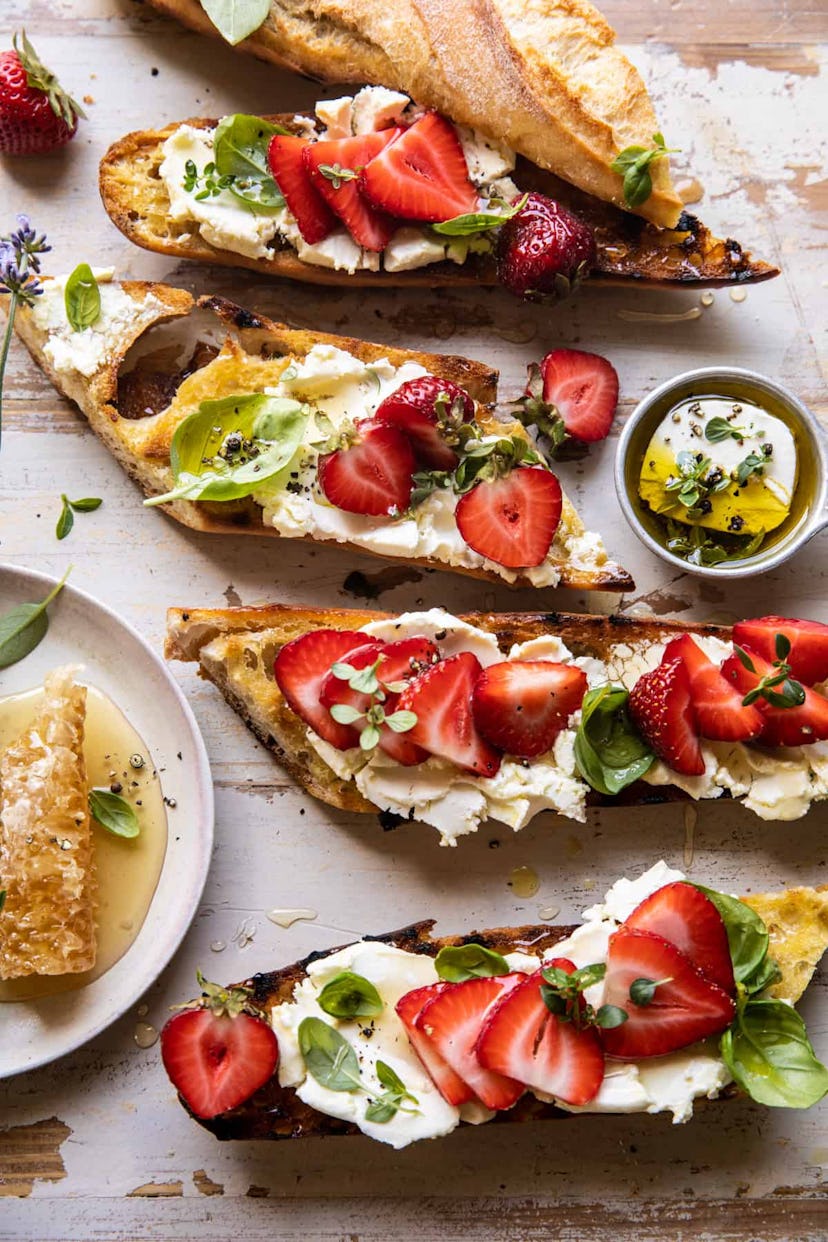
[[96, 1145]]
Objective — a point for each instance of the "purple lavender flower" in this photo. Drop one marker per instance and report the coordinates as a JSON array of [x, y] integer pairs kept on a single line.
[[19, 266]]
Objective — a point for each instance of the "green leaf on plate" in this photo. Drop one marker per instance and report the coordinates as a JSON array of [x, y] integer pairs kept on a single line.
[[24, 627], [113, 813]]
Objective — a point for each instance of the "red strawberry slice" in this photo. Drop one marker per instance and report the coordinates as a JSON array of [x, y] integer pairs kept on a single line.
[[373, 475], [417, 408], [522, 1040], [409, 1007], [512, 521], [521, 706], [662, 711], [682, 1011], [300, 669], [314, 217], [808, 656], [584, 389], [217, 1063], [720, 713], [451, 1023], [422, 175], [348, 156], [544, 249], [679, 913], [400, 661], [782, 726], [441, 699]]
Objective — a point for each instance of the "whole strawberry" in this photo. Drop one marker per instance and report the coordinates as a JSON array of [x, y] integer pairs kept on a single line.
[[36, 114], [544, 250]]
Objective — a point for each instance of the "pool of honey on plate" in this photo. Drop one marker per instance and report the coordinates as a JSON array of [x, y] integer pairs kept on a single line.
[[127, 871]]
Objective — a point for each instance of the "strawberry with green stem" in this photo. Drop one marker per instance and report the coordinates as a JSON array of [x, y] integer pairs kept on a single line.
[[36, 113]]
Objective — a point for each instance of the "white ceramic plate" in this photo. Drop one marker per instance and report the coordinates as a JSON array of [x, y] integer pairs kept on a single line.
[[121, 664]]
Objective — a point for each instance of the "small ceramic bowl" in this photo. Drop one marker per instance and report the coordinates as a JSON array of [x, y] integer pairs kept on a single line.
[[809, 514]]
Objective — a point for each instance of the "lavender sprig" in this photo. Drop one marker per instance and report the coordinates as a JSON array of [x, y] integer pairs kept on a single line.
[[19, 268]]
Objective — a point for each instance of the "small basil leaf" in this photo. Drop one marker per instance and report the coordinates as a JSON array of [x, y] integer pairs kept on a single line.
[[768, 1052], [236, 19], [87, 504], [609, 753], [349, 995], [113, 813], [66, 520], [328, 1057], [382, 1109], [390, 1079], [610, 1016], [23, 627], [747, 935], [82, 298], [454, 963], [240, 148], [477, 221], [642, 991]]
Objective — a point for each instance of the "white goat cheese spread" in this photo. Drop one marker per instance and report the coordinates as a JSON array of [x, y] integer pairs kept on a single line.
[[664, 1084]]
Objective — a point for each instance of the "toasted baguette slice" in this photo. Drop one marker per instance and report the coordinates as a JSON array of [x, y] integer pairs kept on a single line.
[[796, 918], [630, 251], [141, 442]]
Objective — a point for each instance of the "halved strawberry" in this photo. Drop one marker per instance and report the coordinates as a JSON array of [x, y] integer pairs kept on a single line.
[[682, 914], [684, 1008], [583, 388], [418, 408], [409, 1007], [512, 520], [522, 1040], [314, 218], [720, 713], [441, 699], [300, 669], [334, 166], [422, 175], [662, 711], [216, 1061], [374, 475], [781, 726], [521, 706], [451, 1023], [808, 656]]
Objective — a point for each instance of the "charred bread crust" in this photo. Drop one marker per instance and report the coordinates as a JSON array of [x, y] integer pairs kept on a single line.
[[628, 248]]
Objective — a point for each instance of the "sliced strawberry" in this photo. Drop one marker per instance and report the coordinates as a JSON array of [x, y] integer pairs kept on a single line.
[[584, 389], [808, 656], [451, 1023], [314, 217], [682, 914], [300, 669], [441, 699], [409, 1007], [217, 1062], [782, 726], [720, 713], [374, 475], [334, 166], [662, 711], [418, 408], [422, 175], [512, 520], [522, 1040], [685, 1006], [521, 706]]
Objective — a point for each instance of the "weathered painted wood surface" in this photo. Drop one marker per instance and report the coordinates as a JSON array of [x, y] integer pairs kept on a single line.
[[90, 1146]]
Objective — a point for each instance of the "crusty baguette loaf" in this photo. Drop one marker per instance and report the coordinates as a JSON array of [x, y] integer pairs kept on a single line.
[[797, 921], [235, 649], [544, 77], [142, 445], [629, 250]]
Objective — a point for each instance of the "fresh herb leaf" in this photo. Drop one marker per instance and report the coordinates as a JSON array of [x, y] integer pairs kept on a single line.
[[389, 1079], [24, 627], [240, 152], [66, 520], [456, 963], [477, 221], [86, 504], [387, 1105], [401, 721], [328, 1057], [754, 463], [349, 995], [719, 429], [236, 19], [562, 994], [768, 1052], [337, 175], [533, 410], [747, 936], [633, 164], [113, 813], [642, 991], [82, 298], [610, 1016], [609, 753], [205, 184]]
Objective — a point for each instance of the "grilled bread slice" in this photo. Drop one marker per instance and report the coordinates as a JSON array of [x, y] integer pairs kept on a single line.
[[131, 381]]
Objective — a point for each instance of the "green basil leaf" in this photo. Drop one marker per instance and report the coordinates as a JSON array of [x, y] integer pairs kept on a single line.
[[349, 995], [236, 19], [66, 520], [113, 813], [328, 1057], [82, 298], [768, 1052], [382, 1109], [747, 937], [455, 963], [390, 1079], [201, 473], [610, 1016], [477, 221], [87, 504], [609, 753], [24, 627], [240, 151]]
